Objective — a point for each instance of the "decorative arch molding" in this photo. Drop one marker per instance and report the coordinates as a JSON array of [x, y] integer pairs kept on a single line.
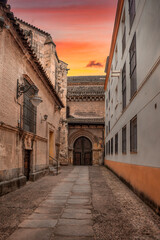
[[81, 133]]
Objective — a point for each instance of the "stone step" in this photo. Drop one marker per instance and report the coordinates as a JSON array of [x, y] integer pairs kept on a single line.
[[53, 170]]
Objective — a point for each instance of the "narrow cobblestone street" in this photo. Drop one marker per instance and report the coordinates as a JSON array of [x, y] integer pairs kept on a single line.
[[81, 203]]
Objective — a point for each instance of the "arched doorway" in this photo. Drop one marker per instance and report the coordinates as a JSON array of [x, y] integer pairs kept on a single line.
[[82, 151]]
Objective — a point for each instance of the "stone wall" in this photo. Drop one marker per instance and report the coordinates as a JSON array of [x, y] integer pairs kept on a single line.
[[90, 109], [18, 63], [56, 70], [62, 89], [85, 101]]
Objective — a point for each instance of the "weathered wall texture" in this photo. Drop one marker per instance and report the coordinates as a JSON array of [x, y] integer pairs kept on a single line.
[[56, 69], [62, 89], [17, 61], [85, 109]]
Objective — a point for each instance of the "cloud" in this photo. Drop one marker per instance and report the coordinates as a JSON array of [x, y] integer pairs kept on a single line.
[[81, 29], [94, 64], [60, 3]]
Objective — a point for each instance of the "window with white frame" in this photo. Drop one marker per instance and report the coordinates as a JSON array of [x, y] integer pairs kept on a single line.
[[133, 135], [133, 64], [132, 11], [124, 86], [123, 33]]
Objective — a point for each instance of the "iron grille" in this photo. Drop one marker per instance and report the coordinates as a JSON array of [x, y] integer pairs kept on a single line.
[[124, 140], [133, 135], [112, 146], [133, 65], [132, 11], [116, 143], [124, 87], [29, 111], [124, 41]]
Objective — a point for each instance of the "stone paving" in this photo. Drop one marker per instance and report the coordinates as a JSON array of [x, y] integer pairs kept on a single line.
[[64, 214], [82, 203]]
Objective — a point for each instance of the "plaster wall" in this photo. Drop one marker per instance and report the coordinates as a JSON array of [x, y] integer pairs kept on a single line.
[[143, 105], [140, 170]]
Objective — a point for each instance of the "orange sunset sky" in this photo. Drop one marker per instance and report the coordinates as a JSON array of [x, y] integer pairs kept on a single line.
[[81, 29]]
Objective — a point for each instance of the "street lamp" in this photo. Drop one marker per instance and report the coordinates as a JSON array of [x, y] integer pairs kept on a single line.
[[35, 99]]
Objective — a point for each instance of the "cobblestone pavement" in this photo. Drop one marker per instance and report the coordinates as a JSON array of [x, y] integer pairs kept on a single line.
[[87, 203], [118, 214]]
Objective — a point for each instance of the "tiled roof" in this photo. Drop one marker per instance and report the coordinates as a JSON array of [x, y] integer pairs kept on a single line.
[[85, 90], [87, 79], [30, 25]]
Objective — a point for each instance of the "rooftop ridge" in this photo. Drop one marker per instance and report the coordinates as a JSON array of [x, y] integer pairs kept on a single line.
[[34, 27]]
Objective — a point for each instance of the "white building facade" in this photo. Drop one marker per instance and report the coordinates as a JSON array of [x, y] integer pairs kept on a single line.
[[132, 97]]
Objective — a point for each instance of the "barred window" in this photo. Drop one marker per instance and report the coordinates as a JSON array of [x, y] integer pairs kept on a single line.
[[123, 33], [112, 146], [133, 63], [29, 111], [116, 143], [109, 126], [106, 130], [109, 148], [124, 138], [133, 135], [124, 87], [124, 41], [106, 104], [132, 11]]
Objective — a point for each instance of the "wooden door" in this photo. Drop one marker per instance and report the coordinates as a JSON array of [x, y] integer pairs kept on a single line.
[[82, 152], [27, 163]]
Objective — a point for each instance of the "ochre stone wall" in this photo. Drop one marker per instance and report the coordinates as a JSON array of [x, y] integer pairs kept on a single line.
[[16, 63], [86, 112], [62, 89], [86, 109], [56, 69]]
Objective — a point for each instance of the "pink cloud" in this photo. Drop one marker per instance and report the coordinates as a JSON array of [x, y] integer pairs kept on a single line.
[[94, 64], [81, 29]]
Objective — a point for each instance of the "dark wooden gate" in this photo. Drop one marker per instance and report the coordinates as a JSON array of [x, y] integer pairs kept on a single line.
[[27, 163], [82, 152]]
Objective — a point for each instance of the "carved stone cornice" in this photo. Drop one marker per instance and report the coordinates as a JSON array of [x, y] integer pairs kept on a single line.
[[85, 98]]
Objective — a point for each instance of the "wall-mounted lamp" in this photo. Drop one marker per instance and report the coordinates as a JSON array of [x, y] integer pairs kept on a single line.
[[2, 24], [45, 117], [35, 99], [115, 74]]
